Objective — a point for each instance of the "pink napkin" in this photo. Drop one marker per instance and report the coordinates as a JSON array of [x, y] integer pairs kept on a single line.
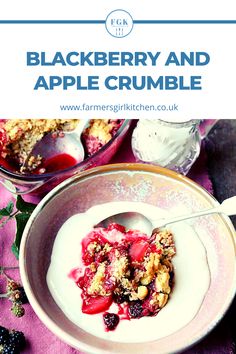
[[39, 338]]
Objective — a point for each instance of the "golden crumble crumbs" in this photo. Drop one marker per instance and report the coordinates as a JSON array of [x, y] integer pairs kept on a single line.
[[101, 129]]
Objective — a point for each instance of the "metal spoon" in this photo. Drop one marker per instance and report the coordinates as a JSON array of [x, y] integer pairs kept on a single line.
[[53, 144], [148, 225]]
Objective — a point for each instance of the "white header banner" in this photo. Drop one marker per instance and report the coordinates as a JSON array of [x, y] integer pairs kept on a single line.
[[117, 62]]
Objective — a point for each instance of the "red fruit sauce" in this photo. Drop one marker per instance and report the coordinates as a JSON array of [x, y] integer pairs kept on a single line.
[[53, 164], [56, 163]]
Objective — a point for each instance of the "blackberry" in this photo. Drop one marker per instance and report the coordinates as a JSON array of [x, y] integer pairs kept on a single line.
[[111, 320], [15, 296], [17, 309], [4, 335], [135, 309], [12, 285], [120, 298], [19, 296], [17, 339], [10, 349]]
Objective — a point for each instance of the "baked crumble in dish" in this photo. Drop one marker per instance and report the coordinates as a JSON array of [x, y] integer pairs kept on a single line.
[[127, 268], [19, 136]]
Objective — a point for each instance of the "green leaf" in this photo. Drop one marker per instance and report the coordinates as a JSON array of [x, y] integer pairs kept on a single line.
[[21, 221], [7, 210], [15, 250], [10, 207], [24, 206]]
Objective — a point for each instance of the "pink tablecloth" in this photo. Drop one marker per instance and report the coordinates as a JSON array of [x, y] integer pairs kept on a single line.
[[39, 338]]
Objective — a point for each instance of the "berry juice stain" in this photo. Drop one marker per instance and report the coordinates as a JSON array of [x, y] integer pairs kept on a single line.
[[53, 164], [56, 163]]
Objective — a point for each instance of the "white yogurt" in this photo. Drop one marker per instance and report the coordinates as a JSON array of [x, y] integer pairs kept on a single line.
[[192, 276]]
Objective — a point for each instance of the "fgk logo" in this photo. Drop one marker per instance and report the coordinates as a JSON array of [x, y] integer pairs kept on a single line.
[[119, 23]]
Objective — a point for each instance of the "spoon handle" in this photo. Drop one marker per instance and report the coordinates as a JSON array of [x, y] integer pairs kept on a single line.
[[228, 207], [189, 216]]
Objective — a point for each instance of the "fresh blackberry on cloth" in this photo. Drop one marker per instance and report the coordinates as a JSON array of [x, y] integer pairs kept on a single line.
[[17, 339], [19, 296], [17, 309], [4, 335], [111, 320], [10, 349], [12, 285]]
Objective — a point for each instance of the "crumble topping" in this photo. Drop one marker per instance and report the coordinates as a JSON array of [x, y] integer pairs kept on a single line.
[[135, 272], [98, 133], [101, 129], [96, 285]]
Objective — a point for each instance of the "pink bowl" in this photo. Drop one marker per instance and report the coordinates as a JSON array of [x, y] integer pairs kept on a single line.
[[128, 182]]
